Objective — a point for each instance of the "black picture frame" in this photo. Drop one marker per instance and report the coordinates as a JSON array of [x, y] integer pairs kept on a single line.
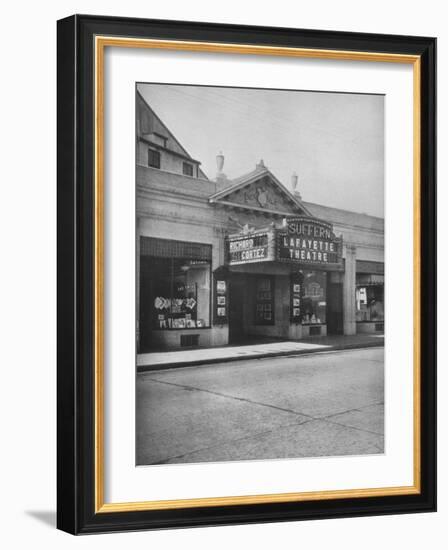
[[76, 511]]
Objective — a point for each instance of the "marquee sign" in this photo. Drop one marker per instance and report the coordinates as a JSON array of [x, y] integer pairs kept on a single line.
[[301, 240], [308, 241], [245, 248]]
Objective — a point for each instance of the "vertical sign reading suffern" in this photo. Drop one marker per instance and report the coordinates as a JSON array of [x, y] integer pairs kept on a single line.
[[308, 241]]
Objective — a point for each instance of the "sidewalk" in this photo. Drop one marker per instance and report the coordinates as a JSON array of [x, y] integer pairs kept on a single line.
[[186, 358]]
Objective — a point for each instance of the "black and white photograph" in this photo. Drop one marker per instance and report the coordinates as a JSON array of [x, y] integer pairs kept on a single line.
[[260, 274]]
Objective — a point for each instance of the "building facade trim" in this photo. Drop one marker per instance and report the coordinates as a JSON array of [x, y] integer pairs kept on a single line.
[[265, 178]]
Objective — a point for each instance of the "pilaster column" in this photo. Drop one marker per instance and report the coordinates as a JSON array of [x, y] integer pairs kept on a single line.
[[219, 252], [349, 310]]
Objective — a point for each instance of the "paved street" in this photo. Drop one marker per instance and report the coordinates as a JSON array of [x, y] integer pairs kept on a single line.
[[326, 404]]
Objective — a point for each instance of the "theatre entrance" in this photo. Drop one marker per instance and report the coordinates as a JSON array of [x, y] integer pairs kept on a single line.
[[238, 293], [335, 324]]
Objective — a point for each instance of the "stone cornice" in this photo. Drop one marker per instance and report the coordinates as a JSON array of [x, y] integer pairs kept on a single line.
[[203, 202], [144, 191], [173, 216], [251, 208]]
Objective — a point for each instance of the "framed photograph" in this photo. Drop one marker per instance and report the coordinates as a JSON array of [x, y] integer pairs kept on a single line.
[[221, 287], [206, 173]]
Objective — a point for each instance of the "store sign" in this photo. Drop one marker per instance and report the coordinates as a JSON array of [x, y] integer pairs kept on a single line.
[[249, 248], [308, 241]]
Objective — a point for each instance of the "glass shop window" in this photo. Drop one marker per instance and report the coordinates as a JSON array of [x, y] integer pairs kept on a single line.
[[314, 300], [180, 293], [369, 302]]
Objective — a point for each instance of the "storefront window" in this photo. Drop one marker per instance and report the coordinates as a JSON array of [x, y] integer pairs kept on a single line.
[[369, 303], [179, 293], [369, 297], [314, 301]]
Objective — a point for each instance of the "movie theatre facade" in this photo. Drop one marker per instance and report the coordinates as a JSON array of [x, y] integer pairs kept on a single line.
[[232, 261]]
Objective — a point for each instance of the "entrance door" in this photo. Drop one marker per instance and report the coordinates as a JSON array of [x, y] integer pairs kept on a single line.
[[334, 309], [237, 290]]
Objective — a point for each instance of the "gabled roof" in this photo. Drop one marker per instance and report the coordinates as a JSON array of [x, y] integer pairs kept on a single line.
[[227, 195], [158, 127]]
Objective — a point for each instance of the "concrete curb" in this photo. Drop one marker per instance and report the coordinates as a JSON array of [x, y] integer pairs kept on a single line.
[[179, 365]]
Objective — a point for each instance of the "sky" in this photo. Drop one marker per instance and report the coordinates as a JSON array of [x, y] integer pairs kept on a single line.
[[333, 141]]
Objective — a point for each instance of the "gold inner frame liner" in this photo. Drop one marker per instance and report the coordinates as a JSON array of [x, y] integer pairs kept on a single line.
[[101, 42]]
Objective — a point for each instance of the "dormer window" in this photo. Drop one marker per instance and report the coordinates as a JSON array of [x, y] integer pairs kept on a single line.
[[187, 169], [153, 158], [158, 139]]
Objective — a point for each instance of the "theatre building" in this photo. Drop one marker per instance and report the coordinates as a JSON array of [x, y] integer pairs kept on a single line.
[[223, 261]]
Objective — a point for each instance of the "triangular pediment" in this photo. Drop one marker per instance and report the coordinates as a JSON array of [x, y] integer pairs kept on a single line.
[[260, 191]]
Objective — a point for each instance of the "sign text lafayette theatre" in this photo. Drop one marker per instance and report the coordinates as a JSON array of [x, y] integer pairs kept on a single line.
[[308, 240]]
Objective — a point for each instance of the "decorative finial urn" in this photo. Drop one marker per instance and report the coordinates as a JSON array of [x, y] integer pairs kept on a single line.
[[294, 184], [294, 181], [220, 162]]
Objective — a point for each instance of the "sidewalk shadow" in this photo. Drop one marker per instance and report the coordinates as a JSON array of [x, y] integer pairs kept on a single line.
[[48, 517]]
